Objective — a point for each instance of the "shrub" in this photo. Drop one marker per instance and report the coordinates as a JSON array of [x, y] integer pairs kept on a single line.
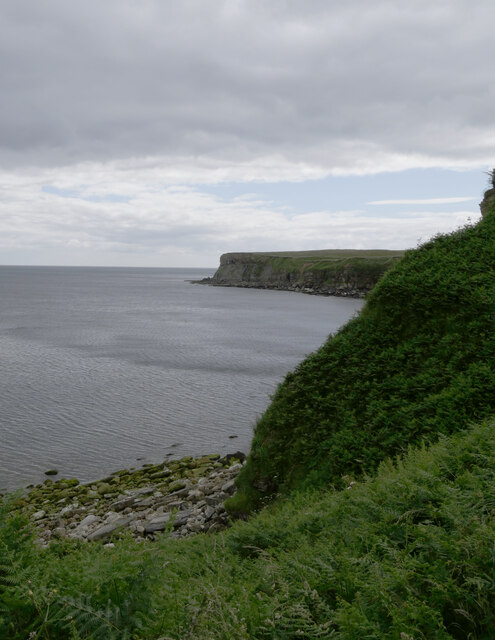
[[418, 362]]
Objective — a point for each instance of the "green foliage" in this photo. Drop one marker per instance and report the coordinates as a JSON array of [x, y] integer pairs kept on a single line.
[[419, 361], [407, 554], [72, 590]]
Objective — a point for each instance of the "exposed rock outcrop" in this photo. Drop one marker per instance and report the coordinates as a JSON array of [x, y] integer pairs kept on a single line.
[[487, 201], [337, 272], [489, 197]]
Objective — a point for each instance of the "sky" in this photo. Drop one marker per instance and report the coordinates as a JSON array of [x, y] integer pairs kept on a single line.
[[159, 133]]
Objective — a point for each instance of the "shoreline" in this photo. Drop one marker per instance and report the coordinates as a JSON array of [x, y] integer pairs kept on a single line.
[[313, 291], [177, 498]]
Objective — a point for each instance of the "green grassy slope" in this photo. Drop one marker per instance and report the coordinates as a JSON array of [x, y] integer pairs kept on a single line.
[[408, 554], [418, 361]]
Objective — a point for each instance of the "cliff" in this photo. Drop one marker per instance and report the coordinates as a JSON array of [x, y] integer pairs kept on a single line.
[[416, 363], [326, 272]]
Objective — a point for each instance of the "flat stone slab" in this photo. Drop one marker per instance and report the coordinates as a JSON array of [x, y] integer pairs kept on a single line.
[[107, 529], [158, 523]]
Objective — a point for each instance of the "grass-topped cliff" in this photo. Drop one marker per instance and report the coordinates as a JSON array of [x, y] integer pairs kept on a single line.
[[417, 362], [405, 553], [331, 272]]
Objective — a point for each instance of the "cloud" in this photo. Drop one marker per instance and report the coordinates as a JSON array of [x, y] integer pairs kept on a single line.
[[117, 116], [424, 201], [337, 87], [169, 225]]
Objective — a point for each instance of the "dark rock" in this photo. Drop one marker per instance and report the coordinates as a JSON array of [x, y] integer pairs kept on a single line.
[[238, 455]]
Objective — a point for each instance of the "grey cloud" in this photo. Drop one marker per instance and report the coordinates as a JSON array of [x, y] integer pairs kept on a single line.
[[237, 80]]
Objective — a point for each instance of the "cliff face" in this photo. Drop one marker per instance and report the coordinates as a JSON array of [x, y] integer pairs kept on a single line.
[[344, 273]]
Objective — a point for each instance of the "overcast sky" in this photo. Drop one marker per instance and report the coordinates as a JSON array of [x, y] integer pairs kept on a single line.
[[164, 133]]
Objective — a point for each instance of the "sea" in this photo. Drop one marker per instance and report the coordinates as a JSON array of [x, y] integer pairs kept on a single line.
[[111, 368]]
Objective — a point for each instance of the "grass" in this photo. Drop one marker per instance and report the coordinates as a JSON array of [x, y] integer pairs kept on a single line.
[[419, 361], [332, 254], [407, 554], [376, 532]]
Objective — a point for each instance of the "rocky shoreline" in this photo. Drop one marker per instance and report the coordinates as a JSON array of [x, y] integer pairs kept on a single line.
[[177, 498], [315, 290]]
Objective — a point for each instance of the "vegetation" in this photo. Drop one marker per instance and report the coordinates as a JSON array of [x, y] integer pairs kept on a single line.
[[418, 361], [378, 538], [408, 554]]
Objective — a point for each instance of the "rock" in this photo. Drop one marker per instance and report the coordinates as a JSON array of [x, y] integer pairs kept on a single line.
[[194, 495], [488, 199], [238, 455], [178, 485], [159, 523], [122, 504], [209, 512], [229, 486], [111, 516], [51, 472], [59, 532], [39, 514], [89, 520], [68, 510], [143, 491], [82, 529], [69, 482], [142, 503], [160, 474], [108, 529], [181, 518], [179, 493], [176, 504], [104, 487], [195, 525]]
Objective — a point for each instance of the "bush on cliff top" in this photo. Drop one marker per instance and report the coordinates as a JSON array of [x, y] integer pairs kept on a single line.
[[417, 362]]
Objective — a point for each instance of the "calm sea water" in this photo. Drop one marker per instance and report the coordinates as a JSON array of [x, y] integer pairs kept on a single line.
[[105, 368]]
